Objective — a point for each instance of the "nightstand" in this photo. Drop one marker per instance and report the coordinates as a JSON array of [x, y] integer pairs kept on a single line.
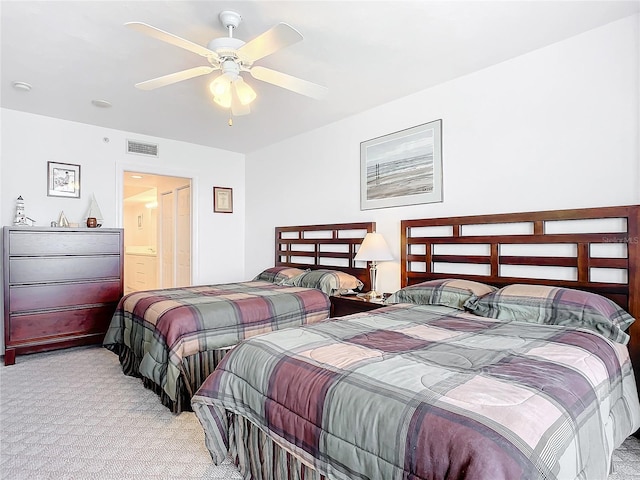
[[342, 305]]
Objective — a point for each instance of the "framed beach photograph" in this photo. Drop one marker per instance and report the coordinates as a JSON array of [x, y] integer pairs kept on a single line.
[[63, 180], [222, 200], [402, 168]]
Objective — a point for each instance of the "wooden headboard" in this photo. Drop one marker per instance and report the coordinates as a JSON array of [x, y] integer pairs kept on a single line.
[[330, 246], [592, 249]]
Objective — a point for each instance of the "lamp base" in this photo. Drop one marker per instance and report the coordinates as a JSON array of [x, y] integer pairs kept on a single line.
[[373, 274]]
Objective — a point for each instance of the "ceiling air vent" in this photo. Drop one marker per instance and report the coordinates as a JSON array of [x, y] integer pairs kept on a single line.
[[139, 148]]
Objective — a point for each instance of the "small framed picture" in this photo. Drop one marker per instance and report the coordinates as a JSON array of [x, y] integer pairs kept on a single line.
[[222, 200], [63, 180]]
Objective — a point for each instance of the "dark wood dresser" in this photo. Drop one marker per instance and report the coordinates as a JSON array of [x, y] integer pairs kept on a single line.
[[61, 286]]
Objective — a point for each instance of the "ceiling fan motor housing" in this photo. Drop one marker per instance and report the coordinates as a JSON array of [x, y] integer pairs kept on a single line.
[[225, 46]]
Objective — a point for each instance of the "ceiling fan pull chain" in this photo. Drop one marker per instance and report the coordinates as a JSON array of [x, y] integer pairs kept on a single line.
[[230, 123]]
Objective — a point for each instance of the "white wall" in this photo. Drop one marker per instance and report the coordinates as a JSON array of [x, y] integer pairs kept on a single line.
[[556, 128], [29, 141]]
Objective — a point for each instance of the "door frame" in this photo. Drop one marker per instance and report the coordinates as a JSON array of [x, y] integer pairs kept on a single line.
[[122, 167], [178, 238]]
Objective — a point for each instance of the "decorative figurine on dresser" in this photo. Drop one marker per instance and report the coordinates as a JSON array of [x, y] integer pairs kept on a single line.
[[94, 215], [61, 286], [21, 219]]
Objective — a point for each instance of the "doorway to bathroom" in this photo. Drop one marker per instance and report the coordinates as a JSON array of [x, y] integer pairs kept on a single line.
[[157, 221]]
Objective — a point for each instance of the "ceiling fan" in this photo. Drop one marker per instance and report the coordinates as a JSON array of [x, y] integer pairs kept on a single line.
[[232, 56]]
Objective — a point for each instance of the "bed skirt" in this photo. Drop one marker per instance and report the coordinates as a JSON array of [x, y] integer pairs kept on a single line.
[[260, 458], [195, 369]]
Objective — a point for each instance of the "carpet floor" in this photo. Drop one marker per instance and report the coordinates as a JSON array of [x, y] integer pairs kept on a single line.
[[72, 414]]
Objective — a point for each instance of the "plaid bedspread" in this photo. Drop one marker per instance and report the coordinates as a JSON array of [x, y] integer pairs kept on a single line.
[[161, 327], [411, 392]]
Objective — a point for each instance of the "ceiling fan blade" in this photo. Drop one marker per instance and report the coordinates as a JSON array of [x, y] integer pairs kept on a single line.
[[294, 84], [172, 39], [277, 37], [174, 78]]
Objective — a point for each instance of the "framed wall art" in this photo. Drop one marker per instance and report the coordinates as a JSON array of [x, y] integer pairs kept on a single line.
[[402, 168], [63, 180], [222, 200]]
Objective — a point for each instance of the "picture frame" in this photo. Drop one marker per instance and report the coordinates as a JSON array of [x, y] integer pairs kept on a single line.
[[222, 200], [402, 168], [63, 180]]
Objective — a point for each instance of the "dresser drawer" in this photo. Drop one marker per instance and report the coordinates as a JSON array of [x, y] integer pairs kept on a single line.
[[60, 269], [63, 243], [38, 297], [32, 328]]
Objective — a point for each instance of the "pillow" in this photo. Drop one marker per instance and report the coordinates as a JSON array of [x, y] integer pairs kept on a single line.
[[328, 281], [555, 306], [448, 292], [278, 274]]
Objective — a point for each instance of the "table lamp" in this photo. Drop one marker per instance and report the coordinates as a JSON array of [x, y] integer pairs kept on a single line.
[[373, 249]]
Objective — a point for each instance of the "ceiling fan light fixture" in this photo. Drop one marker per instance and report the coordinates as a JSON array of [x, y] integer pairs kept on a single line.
[[221, 85], [245, 93], [223, 100]]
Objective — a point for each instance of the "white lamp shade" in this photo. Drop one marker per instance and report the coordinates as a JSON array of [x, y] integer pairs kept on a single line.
[[374, 248], [245, 93], [221, 90], [221, 85], [223, 100]]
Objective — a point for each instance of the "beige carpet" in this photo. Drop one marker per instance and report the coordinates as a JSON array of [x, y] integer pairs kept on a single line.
[[72, 414]]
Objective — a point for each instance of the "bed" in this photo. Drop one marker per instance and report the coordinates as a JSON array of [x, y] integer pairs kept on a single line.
[[456, 380], [174, 338]]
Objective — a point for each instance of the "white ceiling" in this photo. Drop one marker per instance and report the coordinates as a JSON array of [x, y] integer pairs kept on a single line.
[[366, 53]]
